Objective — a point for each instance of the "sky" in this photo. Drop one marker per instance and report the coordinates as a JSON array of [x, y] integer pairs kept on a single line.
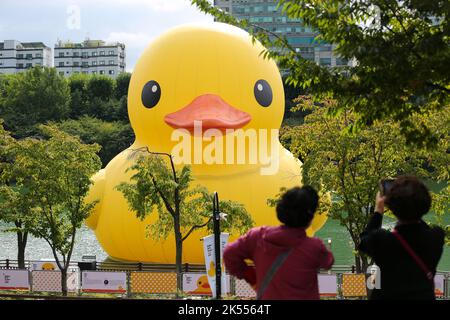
[[133, 22]]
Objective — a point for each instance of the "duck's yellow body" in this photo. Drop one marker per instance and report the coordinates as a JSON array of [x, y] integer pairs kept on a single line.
[[216, 75]]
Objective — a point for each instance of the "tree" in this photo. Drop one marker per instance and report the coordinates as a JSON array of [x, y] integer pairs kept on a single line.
[[437, 161], [100, 87], [99, 96], [15, 203], [79, 95], [122, 84], [33, 97], [401, 50], [60, 167], [113, 137], [157, 186], [350, 165], [441, 206]]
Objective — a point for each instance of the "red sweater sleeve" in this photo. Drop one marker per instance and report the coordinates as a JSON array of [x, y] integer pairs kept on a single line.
[[326, 259], [237, 252]]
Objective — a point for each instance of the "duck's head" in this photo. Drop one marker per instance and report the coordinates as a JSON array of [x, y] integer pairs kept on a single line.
[[211, 73], [203, 283]]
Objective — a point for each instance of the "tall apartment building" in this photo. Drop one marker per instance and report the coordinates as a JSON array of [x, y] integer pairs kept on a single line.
[[90, 57], [264, 13], [16, 56]]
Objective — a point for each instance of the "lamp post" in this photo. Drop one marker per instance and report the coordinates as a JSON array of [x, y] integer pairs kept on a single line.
[[217, 244]]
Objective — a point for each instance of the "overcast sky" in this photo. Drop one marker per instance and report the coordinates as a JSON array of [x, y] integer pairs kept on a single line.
[[133, 22]]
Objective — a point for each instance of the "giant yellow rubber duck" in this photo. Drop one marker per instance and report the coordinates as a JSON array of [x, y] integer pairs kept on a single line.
[[213, 75]]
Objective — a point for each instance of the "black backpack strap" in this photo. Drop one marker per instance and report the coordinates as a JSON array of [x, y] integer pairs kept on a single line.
[[272, 271]]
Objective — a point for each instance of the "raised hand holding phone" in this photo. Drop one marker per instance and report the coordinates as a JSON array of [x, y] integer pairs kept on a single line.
[[379, 203]]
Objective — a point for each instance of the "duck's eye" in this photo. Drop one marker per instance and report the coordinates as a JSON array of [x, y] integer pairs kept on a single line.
[[151, 93], [263, 93]]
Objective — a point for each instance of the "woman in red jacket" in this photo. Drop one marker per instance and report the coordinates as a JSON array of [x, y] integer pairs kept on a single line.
[[298, 256]]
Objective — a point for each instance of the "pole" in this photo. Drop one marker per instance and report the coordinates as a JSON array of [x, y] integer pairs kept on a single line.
[[217, 245]]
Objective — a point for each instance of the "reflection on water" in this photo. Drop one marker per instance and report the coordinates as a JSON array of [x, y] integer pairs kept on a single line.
[[37, 249], [86, 244]]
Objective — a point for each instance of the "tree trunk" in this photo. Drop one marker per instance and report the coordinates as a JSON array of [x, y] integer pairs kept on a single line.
[[21, 245], [179, 254], [361, 263], [64, 281], [364, 263], [358, 264]]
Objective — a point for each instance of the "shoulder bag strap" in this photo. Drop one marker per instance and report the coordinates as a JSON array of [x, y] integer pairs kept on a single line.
[[413, 255], [272, 271]]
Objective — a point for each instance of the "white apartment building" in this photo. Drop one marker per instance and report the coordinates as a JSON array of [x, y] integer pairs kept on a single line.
[[90, 57], [16, 56]]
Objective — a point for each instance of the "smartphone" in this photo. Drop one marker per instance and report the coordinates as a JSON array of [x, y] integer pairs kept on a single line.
[[386, 185]]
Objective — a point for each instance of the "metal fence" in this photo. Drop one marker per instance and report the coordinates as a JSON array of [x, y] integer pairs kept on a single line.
[[341, 282], [139, 266]]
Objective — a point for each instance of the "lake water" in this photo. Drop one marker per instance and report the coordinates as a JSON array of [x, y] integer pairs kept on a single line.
[[86, 244]]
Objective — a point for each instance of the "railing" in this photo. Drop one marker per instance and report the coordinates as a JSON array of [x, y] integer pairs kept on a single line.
[[115, 266], [164, 273]]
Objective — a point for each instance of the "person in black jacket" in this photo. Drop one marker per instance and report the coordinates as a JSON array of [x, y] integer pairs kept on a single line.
[[402, 275]]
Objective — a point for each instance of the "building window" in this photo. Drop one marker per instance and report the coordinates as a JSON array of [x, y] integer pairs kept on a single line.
[[61, 73], [325, 48], [29, 65], [111, 52], [341, 61], [20, 56], [94, 63], [84, 54], [102, 63], [102, 72], [67, 53], [84, 64], [306, 40], [102, 53], [111, 62], [61, 64], [94, 72], [76, 54], [94, 53], [20, 65], [76, 64], [38, 55], [61, 54], [111, 71], [325, 61]]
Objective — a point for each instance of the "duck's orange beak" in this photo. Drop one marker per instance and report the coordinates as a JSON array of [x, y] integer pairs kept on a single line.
[[212, 111]]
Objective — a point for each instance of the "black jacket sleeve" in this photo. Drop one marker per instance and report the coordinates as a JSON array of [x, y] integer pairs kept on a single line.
[[370, 235]]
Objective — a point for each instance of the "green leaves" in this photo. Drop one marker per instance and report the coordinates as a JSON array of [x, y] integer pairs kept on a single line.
[[156, 187], [401, 50], [349, 164], [112, 136], [33, 97], [44, 183]]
